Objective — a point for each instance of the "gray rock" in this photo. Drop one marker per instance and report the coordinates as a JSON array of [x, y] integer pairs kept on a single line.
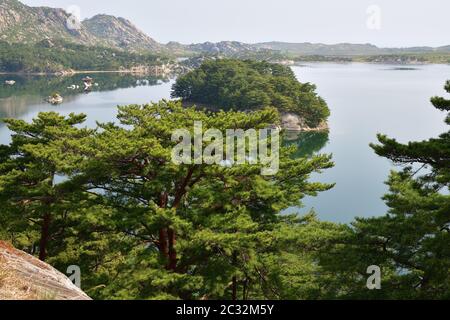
[[24, 277]]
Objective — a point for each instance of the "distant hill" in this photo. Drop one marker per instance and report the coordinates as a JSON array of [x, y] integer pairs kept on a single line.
[[343, 49], [320, 49], [235, 48], [120, 33], [223, 47], [23, 24]]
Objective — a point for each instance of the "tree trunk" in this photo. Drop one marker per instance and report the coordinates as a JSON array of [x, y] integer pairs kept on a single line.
[[234, 289], [244, 290], [234, 281], [45, 234], [172, 251], [163, 236], [163, 242]]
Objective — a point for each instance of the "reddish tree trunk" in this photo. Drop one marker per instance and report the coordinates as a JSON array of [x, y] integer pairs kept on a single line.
[[163, 242], [163, 234], [172, 251], [45, 234]]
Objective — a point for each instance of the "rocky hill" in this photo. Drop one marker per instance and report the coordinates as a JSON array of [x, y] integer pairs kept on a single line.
[[23, 24], [119, 32], [23, 277]]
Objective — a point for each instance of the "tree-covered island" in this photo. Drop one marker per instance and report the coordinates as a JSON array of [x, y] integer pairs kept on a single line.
[[249, 85]]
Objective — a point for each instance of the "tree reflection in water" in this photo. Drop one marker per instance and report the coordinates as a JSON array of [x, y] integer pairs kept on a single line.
[[307, 143]]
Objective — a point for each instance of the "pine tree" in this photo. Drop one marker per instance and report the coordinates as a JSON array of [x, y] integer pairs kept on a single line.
[[34, 200], [202, 231]]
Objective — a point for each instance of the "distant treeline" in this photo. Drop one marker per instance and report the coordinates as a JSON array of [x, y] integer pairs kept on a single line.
[[383, 58], [53, 57]]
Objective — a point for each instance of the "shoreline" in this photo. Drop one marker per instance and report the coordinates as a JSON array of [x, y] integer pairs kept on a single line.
[[298, 63], [71, 73], [290, 122], [302, 63]]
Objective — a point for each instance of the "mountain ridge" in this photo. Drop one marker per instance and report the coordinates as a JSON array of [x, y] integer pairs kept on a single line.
[[24, 24]]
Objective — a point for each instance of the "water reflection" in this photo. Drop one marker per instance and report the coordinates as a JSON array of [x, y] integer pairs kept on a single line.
[[16, 100], [307, 143]]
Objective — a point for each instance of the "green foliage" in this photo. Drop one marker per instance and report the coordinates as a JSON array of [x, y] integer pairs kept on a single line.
[[193, 219], [406, 58], [61, 56], [34, 203], [248, 85], [141, 227]]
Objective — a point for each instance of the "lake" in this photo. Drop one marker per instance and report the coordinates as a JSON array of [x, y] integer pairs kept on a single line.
[[365, 99]]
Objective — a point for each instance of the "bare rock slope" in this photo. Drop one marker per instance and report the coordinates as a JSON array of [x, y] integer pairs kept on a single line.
[[23, 277], [20, 23]]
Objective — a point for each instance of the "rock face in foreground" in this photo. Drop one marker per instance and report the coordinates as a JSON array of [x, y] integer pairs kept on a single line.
[[23, 277]]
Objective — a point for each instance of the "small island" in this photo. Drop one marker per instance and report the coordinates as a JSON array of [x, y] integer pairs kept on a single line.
[[250, 85]]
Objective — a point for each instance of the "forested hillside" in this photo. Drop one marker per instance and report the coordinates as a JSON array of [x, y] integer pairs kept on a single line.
[[53, 57]]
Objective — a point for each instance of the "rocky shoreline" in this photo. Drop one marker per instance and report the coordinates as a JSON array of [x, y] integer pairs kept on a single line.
[[294, 123], [73, 72]]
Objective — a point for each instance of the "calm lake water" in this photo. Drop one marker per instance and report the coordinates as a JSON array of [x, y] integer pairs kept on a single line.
[[364, 100]]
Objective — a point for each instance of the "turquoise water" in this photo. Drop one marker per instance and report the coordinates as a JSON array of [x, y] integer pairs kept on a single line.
[[364, 100]]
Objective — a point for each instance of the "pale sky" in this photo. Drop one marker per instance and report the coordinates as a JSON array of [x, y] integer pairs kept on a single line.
[[401, 22]]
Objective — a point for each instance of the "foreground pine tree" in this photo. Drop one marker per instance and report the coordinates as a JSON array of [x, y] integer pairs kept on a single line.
[[201, 231], [34, 204]]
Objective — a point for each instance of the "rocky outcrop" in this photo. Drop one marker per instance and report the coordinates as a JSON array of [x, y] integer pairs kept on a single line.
[[226, 48], [293, 122], [23, 277], [119, 32], [55, 99]]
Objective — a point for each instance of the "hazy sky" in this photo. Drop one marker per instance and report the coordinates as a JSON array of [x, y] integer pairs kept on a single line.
[[392, 22]]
